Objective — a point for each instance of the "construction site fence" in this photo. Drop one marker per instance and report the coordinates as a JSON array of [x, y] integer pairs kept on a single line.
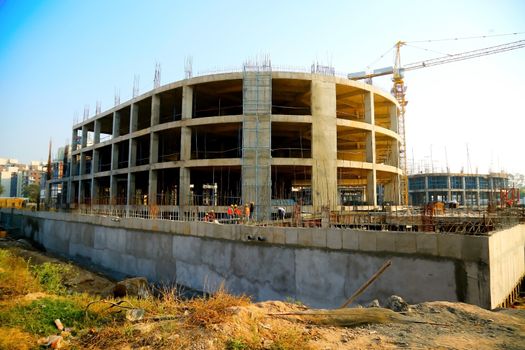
[[473, 222]]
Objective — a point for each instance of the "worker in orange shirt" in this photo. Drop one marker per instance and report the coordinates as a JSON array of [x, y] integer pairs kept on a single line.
[[246, 213], [230, 214], [237, 213]]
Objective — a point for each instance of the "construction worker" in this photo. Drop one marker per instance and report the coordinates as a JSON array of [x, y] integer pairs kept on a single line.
[[237, 212], [281, 213], [230, 214], [246, 213]]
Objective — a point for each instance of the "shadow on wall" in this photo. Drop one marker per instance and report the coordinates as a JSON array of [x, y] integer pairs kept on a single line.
[[33, 227]]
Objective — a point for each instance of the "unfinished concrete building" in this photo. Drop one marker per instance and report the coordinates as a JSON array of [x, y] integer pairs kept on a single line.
[[473, 190], [262, 136]]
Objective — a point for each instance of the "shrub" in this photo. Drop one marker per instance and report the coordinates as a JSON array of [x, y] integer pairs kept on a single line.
[[51, 276], [214, 309]]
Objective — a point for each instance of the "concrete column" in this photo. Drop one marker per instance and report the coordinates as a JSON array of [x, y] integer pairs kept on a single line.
[[84, 136], [187, 102], [116, 124], [185, 146], [477, 191], [132, 158], [114, 156], [324, 145], [71, 195], [81, 185], [184, 187], [427, 197], [73, 166], [464, 199], [113, 190], [97, 132], [152, 187], [155, 109], [132, 155], [393, 188], [154, 148], [392, 193], [82, 166], [74, 140], [133, 118], [131, 189], [449, 189], [94, 191], [95, 161], [371, 183], [153, 158], [394, 121], [256, 143]]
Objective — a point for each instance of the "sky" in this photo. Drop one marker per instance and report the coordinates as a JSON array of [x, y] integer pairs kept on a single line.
[[57, 57]]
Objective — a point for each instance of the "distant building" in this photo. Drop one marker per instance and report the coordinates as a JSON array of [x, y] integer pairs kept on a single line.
[[463, 189], [15, 176]]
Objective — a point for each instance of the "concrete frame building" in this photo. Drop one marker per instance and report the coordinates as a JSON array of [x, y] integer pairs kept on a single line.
[[465, 189], [262, 136]]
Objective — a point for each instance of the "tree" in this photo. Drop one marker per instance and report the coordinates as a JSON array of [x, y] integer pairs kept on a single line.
[[1, 189], [32, 192]]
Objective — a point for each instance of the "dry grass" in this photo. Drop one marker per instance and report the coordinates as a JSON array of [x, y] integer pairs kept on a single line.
[[204, 312], [15, 277], [13, 338], [217, 321]]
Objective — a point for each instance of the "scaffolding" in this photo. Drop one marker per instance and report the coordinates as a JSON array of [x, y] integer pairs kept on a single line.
[[256, 145]]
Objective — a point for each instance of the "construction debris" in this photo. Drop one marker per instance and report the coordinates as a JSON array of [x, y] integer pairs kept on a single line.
[[351, 317]]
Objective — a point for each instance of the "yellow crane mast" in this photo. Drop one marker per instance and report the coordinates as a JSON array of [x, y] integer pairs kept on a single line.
[[399, 88]]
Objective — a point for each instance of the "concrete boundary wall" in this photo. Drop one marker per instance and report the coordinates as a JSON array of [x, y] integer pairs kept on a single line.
[[320, 267], [507, 262]]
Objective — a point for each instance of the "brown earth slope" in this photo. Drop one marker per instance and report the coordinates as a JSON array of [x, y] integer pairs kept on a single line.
[[273, 325]]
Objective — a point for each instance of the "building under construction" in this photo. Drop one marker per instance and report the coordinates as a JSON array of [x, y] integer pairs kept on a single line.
[[470, 190], [274, 138]]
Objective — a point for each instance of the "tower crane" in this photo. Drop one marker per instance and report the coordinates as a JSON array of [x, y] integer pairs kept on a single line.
[[399, 87]]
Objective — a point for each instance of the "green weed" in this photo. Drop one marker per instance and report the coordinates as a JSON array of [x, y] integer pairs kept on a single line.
[[236, 344], [38, 316], [50, 277]]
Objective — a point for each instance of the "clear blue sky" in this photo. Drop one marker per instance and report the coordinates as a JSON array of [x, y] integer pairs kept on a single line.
[[57, 56]]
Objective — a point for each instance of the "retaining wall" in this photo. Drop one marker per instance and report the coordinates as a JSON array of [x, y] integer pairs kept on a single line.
[[320, 267]]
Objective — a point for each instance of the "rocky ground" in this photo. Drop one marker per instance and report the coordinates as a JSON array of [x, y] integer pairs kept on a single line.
[[430, 325]]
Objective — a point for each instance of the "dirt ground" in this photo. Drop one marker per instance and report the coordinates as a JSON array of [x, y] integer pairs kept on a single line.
[[444, 325]]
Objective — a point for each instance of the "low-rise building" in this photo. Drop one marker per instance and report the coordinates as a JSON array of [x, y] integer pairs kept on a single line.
[[464, 189]]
